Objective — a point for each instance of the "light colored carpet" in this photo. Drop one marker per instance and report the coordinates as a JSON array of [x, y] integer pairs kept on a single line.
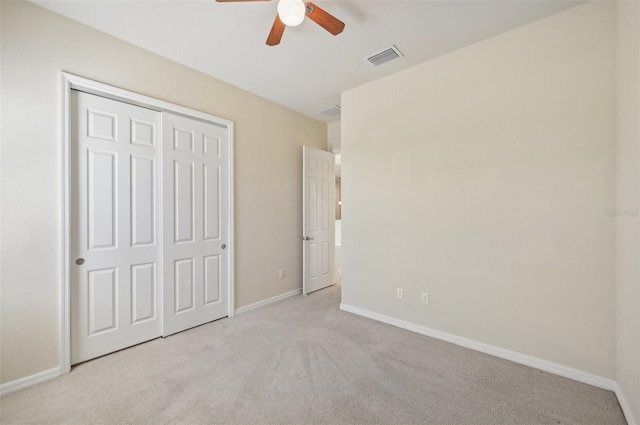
[[303, 361]]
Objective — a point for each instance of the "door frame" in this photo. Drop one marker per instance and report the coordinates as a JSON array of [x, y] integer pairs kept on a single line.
[[73, 82]]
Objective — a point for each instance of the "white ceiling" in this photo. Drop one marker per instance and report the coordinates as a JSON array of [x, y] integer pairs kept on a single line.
[[310, 68]]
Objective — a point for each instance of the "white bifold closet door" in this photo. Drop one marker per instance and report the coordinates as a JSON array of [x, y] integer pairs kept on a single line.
[[149, 224], [195, 212], [115, 244]]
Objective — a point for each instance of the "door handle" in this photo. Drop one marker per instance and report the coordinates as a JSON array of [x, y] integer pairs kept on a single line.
[[307, 238], [80, 261]]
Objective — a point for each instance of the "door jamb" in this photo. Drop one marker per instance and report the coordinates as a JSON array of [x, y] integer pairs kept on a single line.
[[69, 82]]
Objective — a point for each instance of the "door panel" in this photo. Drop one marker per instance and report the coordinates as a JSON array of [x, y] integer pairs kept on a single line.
[[318, 219], [211, 202], [102, 125], [143, 133], [183, 207], [102, 199], [103, 304], [142, 200], [184, 284], [212, 279], [114, 234], [196, 202], [143, 293]]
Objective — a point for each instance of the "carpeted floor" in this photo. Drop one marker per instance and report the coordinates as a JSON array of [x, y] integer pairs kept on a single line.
[[303, 361]]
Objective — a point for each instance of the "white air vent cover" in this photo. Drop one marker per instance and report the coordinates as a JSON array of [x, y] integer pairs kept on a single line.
[[385, 56], [333, 111]]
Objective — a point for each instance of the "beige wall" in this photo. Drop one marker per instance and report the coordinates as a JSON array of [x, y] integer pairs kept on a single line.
[[36, 46], [482, 177], [628, 204]]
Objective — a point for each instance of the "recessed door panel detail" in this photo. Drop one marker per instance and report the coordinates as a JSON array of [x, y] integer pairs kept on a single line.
[[143, 292], [102, 125], [102, 302], [325, 205], [142, 201], [325, 258], [313, 204], [184, 284], [182, 140], [183, 193], [212, 279], [143, 133], [211, 145], [211, 175], [325, 166], [101, 200], [313, 164], [313, 260]]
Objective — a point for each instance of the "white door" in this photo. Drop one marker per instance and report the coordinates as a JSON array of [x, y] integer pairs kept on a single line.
[[196, 255], [115, 215], [317, 219]]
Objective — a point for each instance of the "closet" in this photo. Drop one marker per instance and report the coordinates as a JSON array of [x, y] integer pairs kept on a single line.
[[149, 223]]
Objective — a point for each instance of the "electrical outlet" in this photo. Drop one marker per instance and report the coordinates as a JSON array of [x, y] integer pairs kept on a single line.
[[281, 274], [424, 298], [400, 293]]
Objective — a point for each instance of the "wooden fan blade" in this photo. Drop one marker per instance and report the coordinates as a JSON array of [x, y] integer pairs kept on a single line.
[[324, 19], [276, 32]]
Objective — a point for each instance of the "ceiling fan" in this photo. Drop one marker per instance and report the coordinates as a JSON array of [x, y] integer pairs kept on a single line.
[[292, 12]]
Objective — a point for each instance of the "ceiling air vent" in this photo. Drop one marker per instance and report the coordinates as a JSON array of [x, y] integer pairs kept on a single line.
[[385, 56], [333, 111]]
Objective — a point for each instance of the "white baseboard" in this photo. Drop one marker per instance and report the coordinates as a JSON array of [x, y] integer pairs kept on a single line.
[[514, 356], [625, 406], [27, 381], [268, 301]]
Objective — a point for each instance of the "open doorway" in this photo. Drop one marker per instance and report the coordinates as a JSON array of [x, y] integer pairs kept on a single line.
[[334, 142], [338, 225]]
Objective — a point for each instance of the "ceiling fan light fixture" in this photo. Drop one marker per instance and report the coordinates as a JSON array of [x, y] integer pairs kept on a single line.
[[291, 12]]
